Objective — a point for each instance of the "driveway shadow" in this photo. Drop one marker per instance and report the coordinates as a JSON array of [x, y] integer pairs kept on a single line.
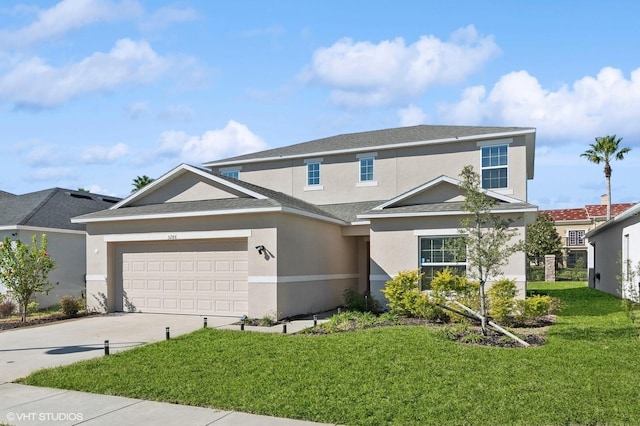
[[62, 350]]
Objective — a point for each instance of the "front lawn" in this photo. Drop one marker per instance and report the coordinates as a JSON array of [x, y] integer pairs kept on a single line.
[[586, 373]]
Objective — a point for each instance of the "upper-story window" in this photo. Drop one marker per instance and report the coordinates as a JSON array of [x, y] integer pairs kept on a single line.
[[495, 166], [366, 169], [575, 238], [231, 172], [313, 174]]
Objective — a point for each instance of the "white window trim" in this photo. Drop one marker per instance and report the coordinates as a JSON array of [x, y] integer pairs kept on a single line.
[[365, 156], [569, 231], [319, 186], [488, 144], [231, 170]]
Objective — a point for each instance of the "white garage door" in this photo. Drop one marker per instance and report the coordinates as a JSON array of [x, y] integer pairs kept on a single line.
[[186, 278]]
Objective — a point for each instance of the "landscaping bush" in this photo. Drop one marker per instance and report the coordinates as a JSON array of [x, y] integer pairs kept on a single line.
[[403, 291], [571, 274], [360, 302], [33, 307], [70, 305], [535, 273], [502, 302], [447, 285], [532, 308], [7, 307]]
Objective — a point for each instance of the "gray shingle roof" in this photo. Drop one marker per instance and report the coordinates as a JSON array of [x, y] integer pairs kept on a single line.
[[274, 199], [441, 207], [5, 194], [51, 208], [349, 211], [373, 139]]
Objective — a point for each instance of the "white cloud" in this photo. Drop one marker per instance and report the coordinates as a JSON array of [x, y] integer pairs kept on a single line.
[[104, 155], [412, 116], [367, 74], [234, 139], [48, 173], [34, 83], [68, 15], [42, 155], [97, 189], [592, 106], [168, 15]]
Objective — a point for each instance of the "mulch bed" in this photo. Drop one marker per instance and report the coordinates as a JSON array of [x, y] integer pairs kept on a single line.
[[8, 324]]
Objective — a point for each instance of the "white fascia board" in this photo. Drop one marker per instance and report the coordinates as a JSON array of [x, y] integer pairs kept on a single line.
[[178, 236], [447, 213], [360, 222], [176, 215], [313, 216], [369, 148], [39, 229], [179, 171]]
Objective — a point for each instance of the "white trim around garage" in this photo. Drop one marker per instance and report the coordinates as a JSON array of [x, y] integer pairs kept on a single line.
[[178, 236], [300, 278], [96, 278]]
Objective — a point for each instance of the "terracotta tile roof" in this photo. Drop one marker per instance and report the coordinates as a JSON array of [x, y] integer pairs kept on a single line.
[[567, 214], [587, 212], [594, 210]]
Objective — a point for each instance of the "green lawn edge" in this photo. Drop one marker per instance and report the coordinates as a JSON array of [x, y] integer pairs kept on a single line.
[[408, 375]]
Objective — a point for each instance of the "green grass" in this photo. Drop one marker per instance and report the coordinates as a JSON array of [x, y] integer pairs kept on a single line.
[[586, 373]]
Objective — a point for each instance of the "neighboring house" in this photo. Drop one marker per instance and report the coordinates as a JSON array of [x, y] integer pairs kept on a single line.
[[49, 212], [614, 253], [285, 231], [573, 224]]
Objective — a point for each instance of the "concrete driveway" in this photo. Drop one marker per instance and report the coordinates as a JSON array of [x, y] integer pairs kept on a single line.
[[24, 350]]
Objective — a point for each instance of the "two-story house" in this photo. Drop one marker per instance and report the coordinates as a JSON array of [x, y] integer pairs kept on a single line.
[[573, 224], [287, 230]]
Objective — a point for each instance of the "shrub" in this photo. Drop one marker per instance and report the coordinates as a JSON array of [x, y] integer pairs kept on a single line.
[[33, 307], [7, 307], [266, 321], [535, 273], [447, 285], [502, 295], [70, 305], [423, 306], [360, 302], [402, 292], [534, 307]]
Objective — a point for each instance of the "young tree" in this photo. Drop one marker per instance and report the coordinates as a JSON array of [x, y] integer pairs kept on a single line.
[[486, 236], [24, 269], [603, 151], [140, 182], [543, 238]]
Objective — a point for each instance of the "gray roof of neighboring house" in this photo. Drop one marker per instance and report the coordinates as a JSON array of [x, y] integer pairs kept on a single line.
[[5, 194], [373, 139], [51, 208]]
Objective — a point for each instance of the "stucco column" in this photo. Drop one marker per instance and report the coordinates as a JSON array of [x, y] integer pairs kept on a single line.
[[549, 267]]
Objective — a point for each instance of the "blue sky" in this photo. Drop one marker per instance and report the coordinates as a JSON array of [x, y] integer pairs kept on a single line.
[[96, 92]]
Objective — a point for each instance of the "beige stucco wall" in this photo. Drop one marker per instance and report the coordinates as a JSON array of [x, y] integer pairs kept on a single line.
[[306, 268], [395, 172], [68, 250], [187, 187], [395, 248]]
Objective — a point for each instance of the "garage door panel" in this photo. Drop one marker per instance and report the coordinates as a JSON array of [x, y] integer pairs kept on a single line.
[[193, 278]]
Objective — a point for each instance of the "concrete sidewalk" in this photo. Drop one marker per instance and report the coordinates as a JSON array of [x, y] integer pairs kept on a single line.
[[30, 405]]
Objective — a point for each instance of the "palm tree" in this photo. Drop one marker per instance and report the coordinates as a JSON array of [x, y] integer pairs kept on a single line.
[[603, 151], [141, 182]]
